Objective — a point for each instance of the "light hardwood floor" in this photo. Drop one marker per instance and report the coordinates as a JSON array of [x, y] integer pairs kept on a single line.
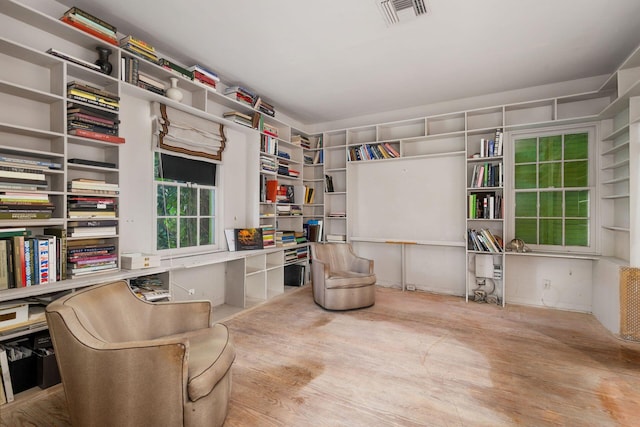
[[414, 359]]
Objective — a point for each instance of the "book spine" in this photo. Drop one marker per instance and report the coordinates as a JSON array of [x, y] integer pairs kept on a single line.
[[97, 135]]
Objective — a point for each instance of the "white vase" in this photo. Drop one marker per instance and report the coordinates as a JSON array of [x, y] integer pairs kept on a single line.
[[173, 92]]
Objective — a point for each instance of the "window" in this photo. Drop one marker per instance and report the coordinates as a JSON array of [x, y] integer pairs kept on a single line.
[[553, 191], [185, 204]]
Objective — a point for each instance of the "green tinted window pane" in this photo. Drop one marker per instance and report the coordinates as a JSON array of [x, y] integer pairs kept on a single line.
[[550, 176], [577, 204], [577, 232], [576, 146], [527, 230], [526, 176], [207, 231], [188, 232], [551, 232], [167, 200], [526, 204], [576, 174], [551, 204], [550, 148], [167, 233], [525, 150], [188, 200], [207, 203]]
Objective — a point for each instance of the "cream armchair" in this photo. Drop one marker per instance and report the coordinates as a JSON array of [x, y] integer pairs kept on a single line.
[[127, 362], [341, 280]]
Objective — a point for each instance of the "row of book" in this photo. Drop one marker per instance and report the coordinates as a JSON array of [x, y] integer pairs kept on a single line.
[[379, 151], [487, 175], [313, 229], [27, 260], [485, 206], [93, 186], [484, 240], [491, 147]]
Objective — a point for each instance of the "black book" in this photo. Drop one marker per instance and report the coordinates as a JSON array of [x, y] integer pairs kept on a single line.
[[92, 163]]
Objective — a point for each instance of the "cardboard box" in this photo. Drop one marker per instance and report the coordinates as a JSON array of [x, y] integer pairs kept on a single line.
[[137, 260], [13, 314]]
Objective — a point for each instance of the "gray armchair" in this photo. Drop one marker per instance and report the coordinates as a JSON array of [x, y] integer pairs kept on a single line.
[[127, 362], [341, 280]]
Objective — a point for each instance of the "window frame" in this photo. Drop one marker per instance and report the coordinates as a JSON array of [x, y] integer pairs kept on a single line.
[[217, 219], [592, 185]]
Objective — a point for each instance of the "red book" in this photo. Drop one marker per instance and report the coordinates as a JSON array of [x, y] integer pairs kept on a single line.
[[272, 190], [97, 135], [90, 30]]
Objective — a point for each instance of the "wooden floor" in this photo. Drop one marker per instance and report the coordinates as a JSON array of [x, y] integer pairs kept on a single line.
[[414, 359]]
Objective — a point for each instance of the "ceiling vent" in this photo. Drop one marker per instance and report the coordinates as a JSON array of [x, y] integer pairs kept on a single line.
[[396, 11]]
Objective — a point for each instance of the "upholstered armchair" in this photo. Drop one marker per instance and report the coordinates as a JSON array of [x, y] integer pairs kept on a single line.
[[341, 280], [128, 362]]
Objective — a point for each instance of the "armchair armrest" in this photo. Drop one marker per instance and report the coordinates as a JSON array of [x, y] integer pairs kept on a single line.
[[362, 265]]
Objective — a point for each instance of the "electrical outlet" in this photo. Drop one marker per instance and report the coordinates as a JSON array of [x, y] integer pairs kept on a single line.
[[191, 291], [547, 283], [411, 287]]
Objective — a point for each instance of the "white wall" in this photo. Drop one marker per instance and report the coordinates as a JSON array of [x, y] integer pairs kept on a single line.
[[238, 179], [569, 280]]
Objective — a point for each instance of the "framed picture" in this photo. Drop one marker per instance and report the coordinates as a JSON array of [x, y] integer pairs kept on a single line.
[[248, 239]]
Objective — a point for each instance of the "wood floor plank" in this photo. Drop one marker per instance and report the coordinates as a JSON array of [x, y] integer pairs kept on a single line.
[[415, 359]]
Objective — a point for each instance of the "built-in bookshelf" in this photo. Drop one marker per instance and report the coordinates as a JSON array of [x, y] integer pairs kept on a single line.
[[485, 216]]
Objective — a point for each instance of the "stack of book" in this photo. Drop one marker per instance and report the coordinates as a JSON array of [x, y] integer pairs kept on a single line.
[[266, 128], [285, 238], [88, 122], [25, 205], [240, 118], [92, 186], [92, 228], [90, 256], [205, 76], [336, 238], [92, 95], [175, 68], [24, 174], [264, 107], [150, 288], [240, 94], [90, 207], [90, 24], [301, 140], [268, 236], [139, 48], [267, 164], [151, 84]]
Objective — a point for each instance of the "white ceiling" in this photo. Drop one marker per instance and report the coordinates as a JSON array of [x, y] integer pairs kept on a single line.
[[325, 60]]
